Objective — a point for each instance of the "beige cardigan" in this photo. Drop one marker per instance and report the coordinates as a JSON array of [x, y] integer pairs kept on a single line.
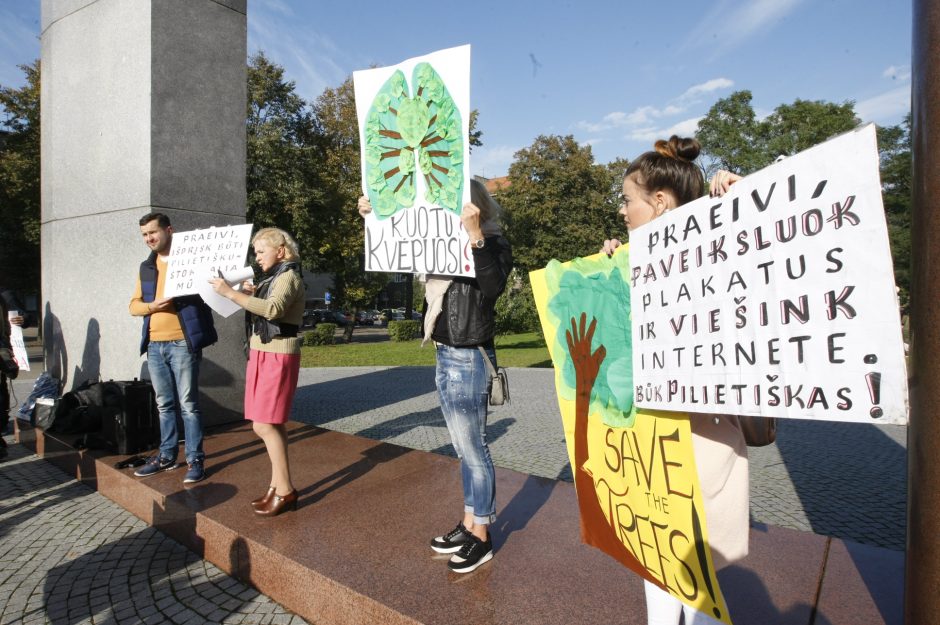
[[721, 460]]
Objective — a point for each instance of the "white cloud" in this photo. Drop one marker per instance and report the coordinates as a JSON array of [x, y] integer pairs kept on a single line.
[[898, 72], [731, 23], [706, 87], [885, 108], [645, 117], [492, 161], [684, 128]]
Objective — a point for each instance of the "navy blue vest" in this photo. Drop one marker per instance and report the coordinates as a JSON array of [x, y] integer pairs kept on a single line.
[[194, 315]]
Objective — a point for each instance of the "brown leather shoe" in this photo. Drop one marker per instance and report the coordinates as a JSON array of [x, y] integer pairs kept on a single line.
[[263, 501], [279, 504]]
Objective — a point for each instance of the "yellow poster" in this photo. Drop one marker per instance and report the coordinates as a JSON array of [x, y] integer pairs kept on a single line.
[[634, 471]]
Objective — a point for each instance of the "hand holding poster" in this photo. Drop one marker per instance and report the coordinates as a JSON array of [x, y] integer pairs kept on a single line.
[[777, 299], [413, 125], [216, 249]]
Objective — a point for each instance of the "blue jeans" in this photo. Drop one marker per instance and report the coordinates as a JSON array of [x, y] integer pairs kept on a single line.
[[174, 371], [461, 382]]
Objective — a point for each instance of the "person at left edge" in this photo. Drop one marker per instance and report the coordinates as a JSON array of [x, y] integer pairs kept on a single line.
[[175, 331], [8, 303]]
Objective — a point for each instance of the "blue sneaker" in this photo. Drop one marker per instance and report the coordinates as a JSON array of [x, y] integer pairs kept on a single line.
[[195, 473], [156, 464]]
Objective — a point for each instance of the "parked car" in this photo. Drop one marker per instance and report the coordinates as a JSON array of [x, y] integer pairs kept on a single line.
[[365, 318]]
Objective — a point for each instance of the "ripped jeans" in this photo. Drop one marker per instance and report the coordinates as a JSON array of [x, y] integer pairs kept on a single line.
[[462, 384]]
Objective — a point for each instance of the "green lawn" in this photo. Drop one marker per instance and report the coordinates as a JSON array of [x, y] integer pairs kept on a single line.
[[513, 350]]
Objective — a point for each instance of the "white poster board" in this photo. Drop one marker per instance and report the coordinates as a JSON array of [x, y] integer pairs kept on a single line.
[[216, 249], [18, 344], [777, 299], [414, 123]]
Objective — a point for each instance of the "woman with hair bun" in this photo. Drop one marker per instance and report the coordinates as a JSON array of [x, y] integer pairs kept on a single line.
[[657, 182], [275, 310]]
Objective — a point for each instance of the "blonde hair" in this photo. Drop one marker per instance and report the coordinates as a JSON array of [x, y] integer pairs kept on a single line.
[[277, 238]]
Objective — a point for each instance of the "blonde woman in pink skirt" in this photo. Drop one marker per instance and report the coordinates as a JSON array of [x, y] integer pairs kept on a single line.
[[275, 311]]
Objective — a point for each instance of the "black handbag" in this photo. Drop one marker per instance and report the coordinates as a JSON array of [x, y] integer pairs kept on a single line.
[[8, 365], [498, 386], [758, 431]]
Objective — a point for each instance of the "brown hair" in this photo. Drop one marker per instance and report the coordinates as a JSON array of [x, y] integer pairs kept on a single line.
[[489, 208], [669, 166]]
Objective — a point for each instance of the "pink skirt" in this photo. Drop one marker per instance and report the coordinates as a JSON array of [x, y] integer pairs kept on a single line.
[[270, 384]]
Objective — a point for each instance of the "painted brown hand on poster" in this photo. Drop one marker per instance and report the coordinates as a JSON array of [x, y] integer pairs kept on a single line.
[[597, 527]]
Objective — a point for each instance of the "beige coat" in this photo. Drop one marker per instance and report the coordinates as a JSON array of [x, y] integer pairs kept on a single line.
[[721, 460]]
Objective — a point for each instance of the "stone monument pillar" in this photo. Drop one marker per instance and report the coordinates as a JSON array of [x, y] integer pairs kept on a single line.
[[143, 109]]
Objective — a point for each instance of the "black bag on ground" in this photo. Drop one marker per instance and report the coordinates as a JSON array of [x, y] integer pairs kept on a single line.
[[79, 411], [132, 423]]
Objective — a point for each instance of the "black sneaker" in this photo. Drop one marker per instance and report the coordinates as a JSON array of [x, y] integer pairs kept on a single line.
[[472, 554], [452, 541], [155, 465]]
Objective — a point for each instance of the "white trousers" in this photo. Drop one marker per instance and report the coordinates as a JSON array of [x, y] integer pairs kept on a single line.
[[664, 609]]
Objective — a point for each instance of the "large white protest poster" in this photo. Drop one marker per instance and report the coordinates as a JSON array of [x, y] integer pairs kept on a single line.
[[777, 299], [218, 249], [414, 120]]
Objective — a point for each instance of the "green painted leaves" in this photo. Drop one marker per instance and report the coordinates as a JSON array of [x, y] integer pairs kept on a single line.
[[407, 137], [598, 287]]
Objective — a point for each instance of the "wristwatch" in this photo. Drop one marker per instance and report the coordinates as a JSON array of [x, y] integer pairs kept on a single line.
[[479, 243]]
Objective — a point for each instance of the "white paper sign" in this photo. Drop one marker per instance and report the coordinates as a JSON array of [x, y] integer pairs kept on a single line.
[[213, 249], [777, 299], [222, 305], [414, 123], [18, 344]]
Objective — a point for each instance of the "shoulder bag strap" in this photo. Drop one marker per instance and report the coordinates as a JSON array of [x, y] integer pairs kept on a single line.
[[486, 359]]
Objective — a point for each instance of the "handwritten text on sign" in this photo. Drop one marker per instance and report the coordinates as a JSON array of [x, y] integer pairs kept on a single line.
[[777, 299], [419, 240], [220, 249]]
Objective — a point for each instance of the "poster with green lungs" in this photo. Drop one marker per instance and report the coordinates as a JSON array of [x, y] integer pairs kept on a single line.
[[413, 127]]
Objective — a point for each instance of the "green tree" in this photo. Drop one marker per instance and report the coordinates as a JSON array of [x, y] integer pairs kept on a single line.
[[732, 138], [894, 145], [792, 128], [20, 207], [281, 131], [339, 242], [559, 203], [475, 133]]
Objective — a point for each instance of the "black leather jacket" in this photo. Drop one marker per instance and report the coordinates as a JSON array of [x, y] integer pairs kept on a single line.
[[467, 316]]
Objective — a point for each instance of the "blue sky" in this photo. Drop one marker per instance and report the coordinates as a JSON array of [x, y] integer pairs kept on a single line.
[[616, 74]]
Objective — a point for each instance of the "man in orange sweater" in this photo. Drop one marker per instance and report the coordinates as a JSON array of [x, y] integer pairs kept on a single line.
[[175, 330]]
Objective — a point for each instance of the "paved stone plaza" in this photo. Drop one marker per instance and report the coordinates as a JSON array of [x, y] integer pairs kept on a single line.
[[69, 555]]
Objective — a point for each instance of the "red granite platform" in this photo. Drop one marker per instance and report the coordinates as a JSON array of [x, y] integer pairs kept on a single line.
[[356, 549]]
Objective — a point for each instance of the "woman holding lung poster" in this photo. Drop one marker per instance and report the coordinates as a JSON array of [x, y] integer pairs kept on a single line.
[[657, 182], [460, 319]]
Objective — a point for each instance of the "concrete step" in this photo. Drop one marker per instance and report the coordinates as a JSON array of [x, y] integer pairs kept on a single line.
[[356, 549]]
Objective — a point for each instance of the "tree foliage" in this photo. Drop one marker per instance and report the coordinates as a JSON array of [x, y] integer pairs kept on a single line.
[[894, 145], [733, 138], [559, 203], [339, 244], [20, 208], [281, 133]]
